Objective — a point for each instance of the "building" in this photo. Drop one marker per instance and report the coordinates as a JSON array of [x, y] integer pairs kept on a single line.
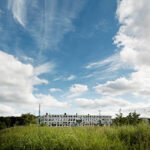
[[75, 120]]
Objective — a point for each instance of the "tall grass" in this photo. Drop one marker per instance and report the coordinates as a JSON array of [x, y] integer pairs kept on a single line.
[[76, 138]]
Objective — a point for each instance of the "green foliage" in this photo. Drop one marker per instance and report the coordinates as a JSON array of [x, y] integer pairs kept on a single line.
[[119, 120], [76, 138], [25, 119], [131, 119], [42, 124], [2, 125]]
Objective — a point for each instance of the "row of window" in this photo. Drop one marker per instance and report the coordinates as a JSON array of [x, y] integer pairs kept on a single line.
[[70, 124], [75, 121], [67, 116], [66, 119]]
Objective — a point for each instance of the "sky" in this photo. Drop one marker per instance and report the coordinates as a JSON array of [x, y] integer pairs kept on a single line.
[[74, 56]]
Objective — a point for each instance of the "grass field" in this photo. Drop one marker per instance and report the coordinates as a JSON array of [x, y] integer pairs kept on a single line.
[[76, 138]]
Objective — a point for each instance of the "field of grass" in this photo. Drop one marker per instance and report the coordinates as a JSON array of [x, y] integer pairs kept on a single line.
[[76, 138]]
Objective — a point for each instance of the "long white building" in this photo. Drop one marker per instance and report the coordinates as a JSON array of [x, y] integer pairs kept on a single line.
[[75, 120]]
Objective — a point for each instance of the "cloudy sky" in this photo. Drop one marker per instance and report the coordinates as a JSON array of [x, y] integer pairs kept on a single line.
[[74, 56]]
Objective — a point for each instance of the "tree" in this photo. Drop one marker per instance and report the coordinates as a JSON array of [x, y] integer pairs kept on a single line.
[[119, 120], [27, 119], [133, 118]]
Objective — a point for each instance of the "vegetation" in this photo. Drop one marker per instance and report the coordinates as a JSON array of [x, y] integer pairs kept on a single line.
[[131, 119], [126, 133], [76, 138], [25, 119]]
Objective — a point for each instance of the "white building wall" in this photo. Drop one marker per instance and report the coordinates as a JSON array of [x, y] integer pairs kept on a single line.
[[75, 120]]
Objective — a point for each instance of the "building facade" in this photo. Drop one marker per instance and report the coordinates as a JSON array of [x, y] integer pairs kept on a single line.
[[75, 120]]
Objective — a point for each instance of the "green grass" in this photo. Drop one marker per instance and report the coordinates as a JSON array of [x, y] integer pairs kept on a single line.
[[76, 138]]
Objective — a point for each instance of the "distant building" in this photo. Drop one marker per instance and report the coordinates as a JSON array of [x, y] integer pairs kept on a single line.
[[145, 120], [75, 120]]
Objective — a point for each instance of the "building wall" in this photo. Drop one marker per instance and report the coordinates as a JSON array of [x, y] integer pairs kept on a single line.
[[75, 120]]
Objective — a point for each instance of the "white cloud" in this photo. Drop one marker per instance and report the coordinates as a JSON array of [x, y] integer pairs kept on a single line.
[[71, 77], [101, 103], [111, 63], [49, 102], [58, 78], [106, 69], [137, 84], [111, 106], [107, 105], [51, 22], [6, 110], [77, 90], [44, 68], [55, 90], [103, 69], [63, 78], [18, 8], [133, 37], [17, 82], [134, 34], [27, 59]]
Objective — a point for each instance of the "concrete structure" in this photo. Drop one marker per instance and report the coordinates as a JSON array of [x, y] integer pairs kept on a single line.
[[75, 120]]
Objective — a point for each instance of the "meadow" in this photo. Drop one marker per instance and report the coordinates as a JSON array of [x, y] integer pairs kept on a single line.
[[76, 138]]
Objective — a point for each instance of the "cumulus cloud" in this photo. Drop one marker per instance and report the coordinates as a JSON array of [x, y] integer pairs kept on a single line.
[[117, 87], [17, 81], [77, 90], [6, 110], [102, 102], [137, 84], [49, 102], [134, 34], [133, 37]]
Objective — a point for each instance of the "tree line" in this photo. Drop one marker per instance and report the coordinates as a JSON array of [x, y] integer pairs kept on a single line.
[[24, 119]]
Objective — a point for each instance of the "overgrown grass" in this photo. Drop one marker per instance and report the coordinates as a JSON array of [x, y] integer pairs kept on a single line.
[[76, 138]]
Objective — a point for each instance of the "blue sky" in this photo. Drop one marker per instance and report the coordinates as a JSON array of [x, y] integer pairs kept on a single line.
[[74, 56]]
